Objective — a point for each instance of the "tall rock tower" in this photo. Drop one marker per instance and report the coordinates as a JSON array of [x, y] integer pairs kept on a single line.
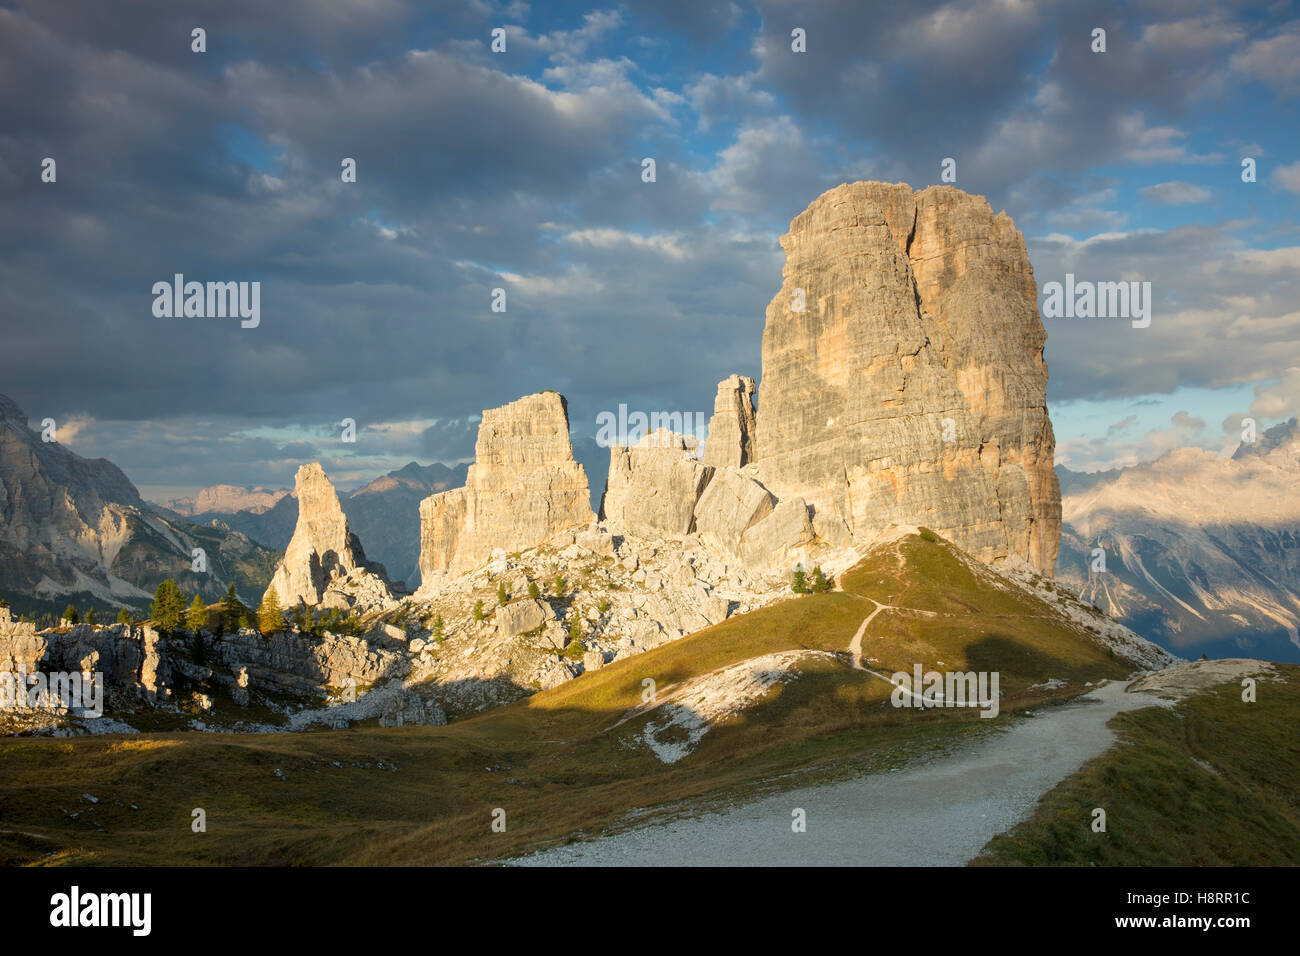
[[903, 374], [523, 486]]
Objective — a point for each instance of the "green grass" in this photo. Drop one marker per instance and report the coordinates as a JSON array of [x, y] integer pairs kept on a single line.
[[1213, 782], [579, 766]]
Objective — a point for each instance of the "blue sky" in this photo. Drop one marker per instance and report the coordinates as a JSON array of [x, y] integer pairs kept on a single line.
[[521, 170]]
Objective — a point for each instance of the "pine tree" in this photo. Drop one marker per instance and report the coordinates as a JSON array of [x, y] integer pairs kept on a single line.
[[70, 615], [196, 618], [820, 584], [502, 594], [534, 591], [233, 613], [438, 628], [90, 616], [478, 610], [168, 606], [269, 618], [800, 584], [560, 584], [123, 616]]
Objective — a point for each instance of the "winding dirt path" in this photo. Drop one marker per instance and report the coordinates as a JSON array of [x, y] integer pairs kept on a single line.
[[938, 812]]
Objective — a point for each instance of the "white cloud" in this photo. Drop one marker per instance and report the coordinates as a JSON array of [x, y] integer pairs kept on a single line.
[[1288, 177]]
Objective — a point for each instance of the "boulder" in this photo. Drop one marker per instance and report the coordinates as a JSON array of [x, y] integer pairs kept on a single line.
[[732, 502], [771, 541], [519, 617], [653, 487]]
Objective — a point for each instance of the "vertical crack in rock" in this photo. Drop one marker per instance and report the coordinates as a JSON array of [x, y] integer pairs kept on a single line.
[[921, 307]]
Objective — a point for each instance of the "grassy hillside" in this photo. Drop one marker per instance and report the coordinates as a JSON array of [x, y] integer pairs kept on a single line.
[[1212, 782], [564, 762]]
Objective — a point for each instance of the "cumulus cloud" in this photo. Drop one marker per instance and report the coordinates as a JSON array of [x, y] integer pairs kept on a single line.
[[1280, 399]]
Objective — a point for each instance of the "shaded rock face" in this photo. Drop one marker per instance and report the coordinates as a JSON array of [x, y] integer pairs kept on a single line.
[[653, 487], [130, 657], [523, 486], [322, 549], [912, 388], [732, 427]]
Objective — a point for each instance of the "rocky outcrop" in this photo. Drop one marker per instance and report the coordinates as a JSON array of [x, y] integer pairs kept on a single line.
[[653, 486], [131, 658], [323, 551], [732, 427], [523, 486], [903, 376]]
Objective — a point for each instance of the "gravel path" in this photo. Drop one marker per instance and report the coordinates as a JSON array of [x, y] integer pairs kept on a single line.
[[938, 813]]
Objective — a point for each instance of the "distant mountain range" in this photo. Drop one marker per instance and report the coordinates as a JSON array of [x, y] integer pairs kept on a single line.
[[1202, 553], [75, 530], [384, 514]]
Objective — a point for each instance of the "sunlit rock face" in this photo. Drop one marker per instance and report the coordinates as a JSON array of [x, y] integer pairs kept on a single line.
[[523, 486], [903, 374], [322, 550], [732, 427]]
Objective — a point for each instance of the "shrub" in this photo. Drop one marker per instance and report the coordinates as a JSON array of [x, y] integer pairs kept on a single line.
[[574, 648], [928, 535]]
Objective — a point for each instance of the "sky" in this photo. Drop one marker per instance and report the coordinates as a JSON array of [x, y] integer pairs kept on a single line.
[[521, 170]]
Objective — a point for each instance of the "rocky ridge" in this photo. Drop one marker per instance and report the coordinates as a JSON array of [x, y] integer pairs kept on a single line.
[[1201, 552]]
